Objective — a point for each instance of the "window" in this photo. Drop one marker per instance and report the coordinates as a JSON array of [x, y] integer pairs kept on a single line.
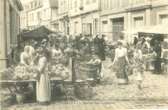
[[81, 3], [93, 1], [32, 16], [35, 4], [95, 26], [138, 1], [87, 2], [38, 16], [117, 27], [138, 22], [75, 5], [70, 4], [114, 3], [31, 5], [163, 19], [75, 27], [104, 26], [87, 28]]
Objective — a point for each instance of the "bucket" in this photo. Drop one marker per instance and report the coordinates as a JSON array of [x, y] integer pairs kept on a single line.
[[83, 90], [20, 98]]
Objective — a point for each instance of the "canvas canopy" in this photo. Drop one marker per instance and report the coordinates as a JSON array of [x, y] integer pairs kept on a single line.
[[158, 29], [37, 34]]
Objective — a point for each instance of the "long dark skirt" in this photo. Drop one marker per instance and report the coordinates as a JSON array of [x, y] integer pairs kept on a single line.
[[121, 71], [157, 65]]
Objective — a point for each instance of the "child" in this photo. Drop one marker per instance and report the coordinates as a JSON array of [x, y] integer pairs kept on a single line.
[[138, 66]]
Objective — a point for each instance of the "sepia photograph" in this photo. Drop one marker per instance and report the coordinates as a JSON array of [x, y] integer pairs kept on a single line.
[[83, 54]]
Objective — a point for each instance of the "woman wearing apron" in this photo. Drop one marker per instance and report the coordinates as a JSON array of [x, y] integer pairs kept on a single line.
[[121, 61], [43, 89]]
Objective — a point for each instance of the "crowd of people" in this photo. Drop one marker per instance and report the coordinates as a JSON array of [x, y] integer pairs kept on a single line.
[[128, 59], [48, 56]]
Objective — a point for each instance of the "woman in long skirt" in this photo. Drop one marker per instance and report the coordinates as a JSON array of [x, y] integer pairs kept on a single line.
[[120, 62], [43, 89]]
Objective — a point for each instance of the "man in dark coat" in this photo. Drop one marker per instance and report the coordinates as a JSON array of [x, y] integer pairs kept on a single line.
[[99, 45], [158, 51]]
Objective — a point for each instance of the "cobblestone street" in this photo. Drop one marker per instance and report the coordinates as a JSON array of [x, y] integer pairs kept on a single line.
[[98, 105], [109, 95]]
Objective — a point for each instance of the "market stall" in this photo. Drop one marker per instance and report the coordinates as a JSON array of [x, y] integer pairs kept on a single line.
[[38, 34], [21, 80], [155, 36], [151, 38]]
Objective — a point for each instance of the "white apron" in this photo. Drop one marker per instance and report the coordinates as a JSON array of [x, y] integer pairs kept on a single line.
[[43, 89]]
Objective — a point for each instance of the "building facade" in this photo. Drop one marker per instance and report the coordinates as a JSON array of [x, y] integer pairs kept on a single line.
[[54, 16], [119, 15], [84, 17], [9, 27], [90, 17], [37, 13], [63, 15]]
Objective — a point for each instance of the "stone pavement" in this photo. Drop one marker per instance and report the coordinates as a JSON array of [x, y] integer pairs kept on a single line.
[[94, 105], [153, 87], [108, 95]]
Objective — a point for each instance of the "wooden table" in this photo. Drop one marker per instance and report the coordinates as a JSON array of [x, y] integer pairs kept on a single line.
[[15, 84]]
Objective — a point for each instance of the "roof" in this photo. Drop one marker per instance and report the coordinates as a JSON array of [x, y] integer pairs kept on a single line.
[[38, 33]]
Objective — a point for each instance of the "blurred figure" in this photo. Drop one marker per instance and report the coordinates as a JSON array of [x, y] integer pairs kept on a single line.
[[135, 40], [138, 66], [25, 58], [56, 53], [10, 57], [157, 63], [99, 45]]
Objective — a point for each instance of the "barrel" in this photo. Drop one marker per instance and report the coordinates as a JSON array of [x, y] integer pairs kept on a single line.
[[87, 71]]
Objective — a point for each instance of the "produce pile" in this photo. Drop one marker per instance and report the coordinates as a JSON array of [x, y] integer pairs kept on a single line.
[[25, 72], [21, 72], [7, 74], [59, 71]]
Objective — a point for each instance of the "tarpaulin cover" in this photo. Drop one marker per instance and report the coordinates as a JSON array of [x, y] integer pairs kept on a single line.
[[38, 33]]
